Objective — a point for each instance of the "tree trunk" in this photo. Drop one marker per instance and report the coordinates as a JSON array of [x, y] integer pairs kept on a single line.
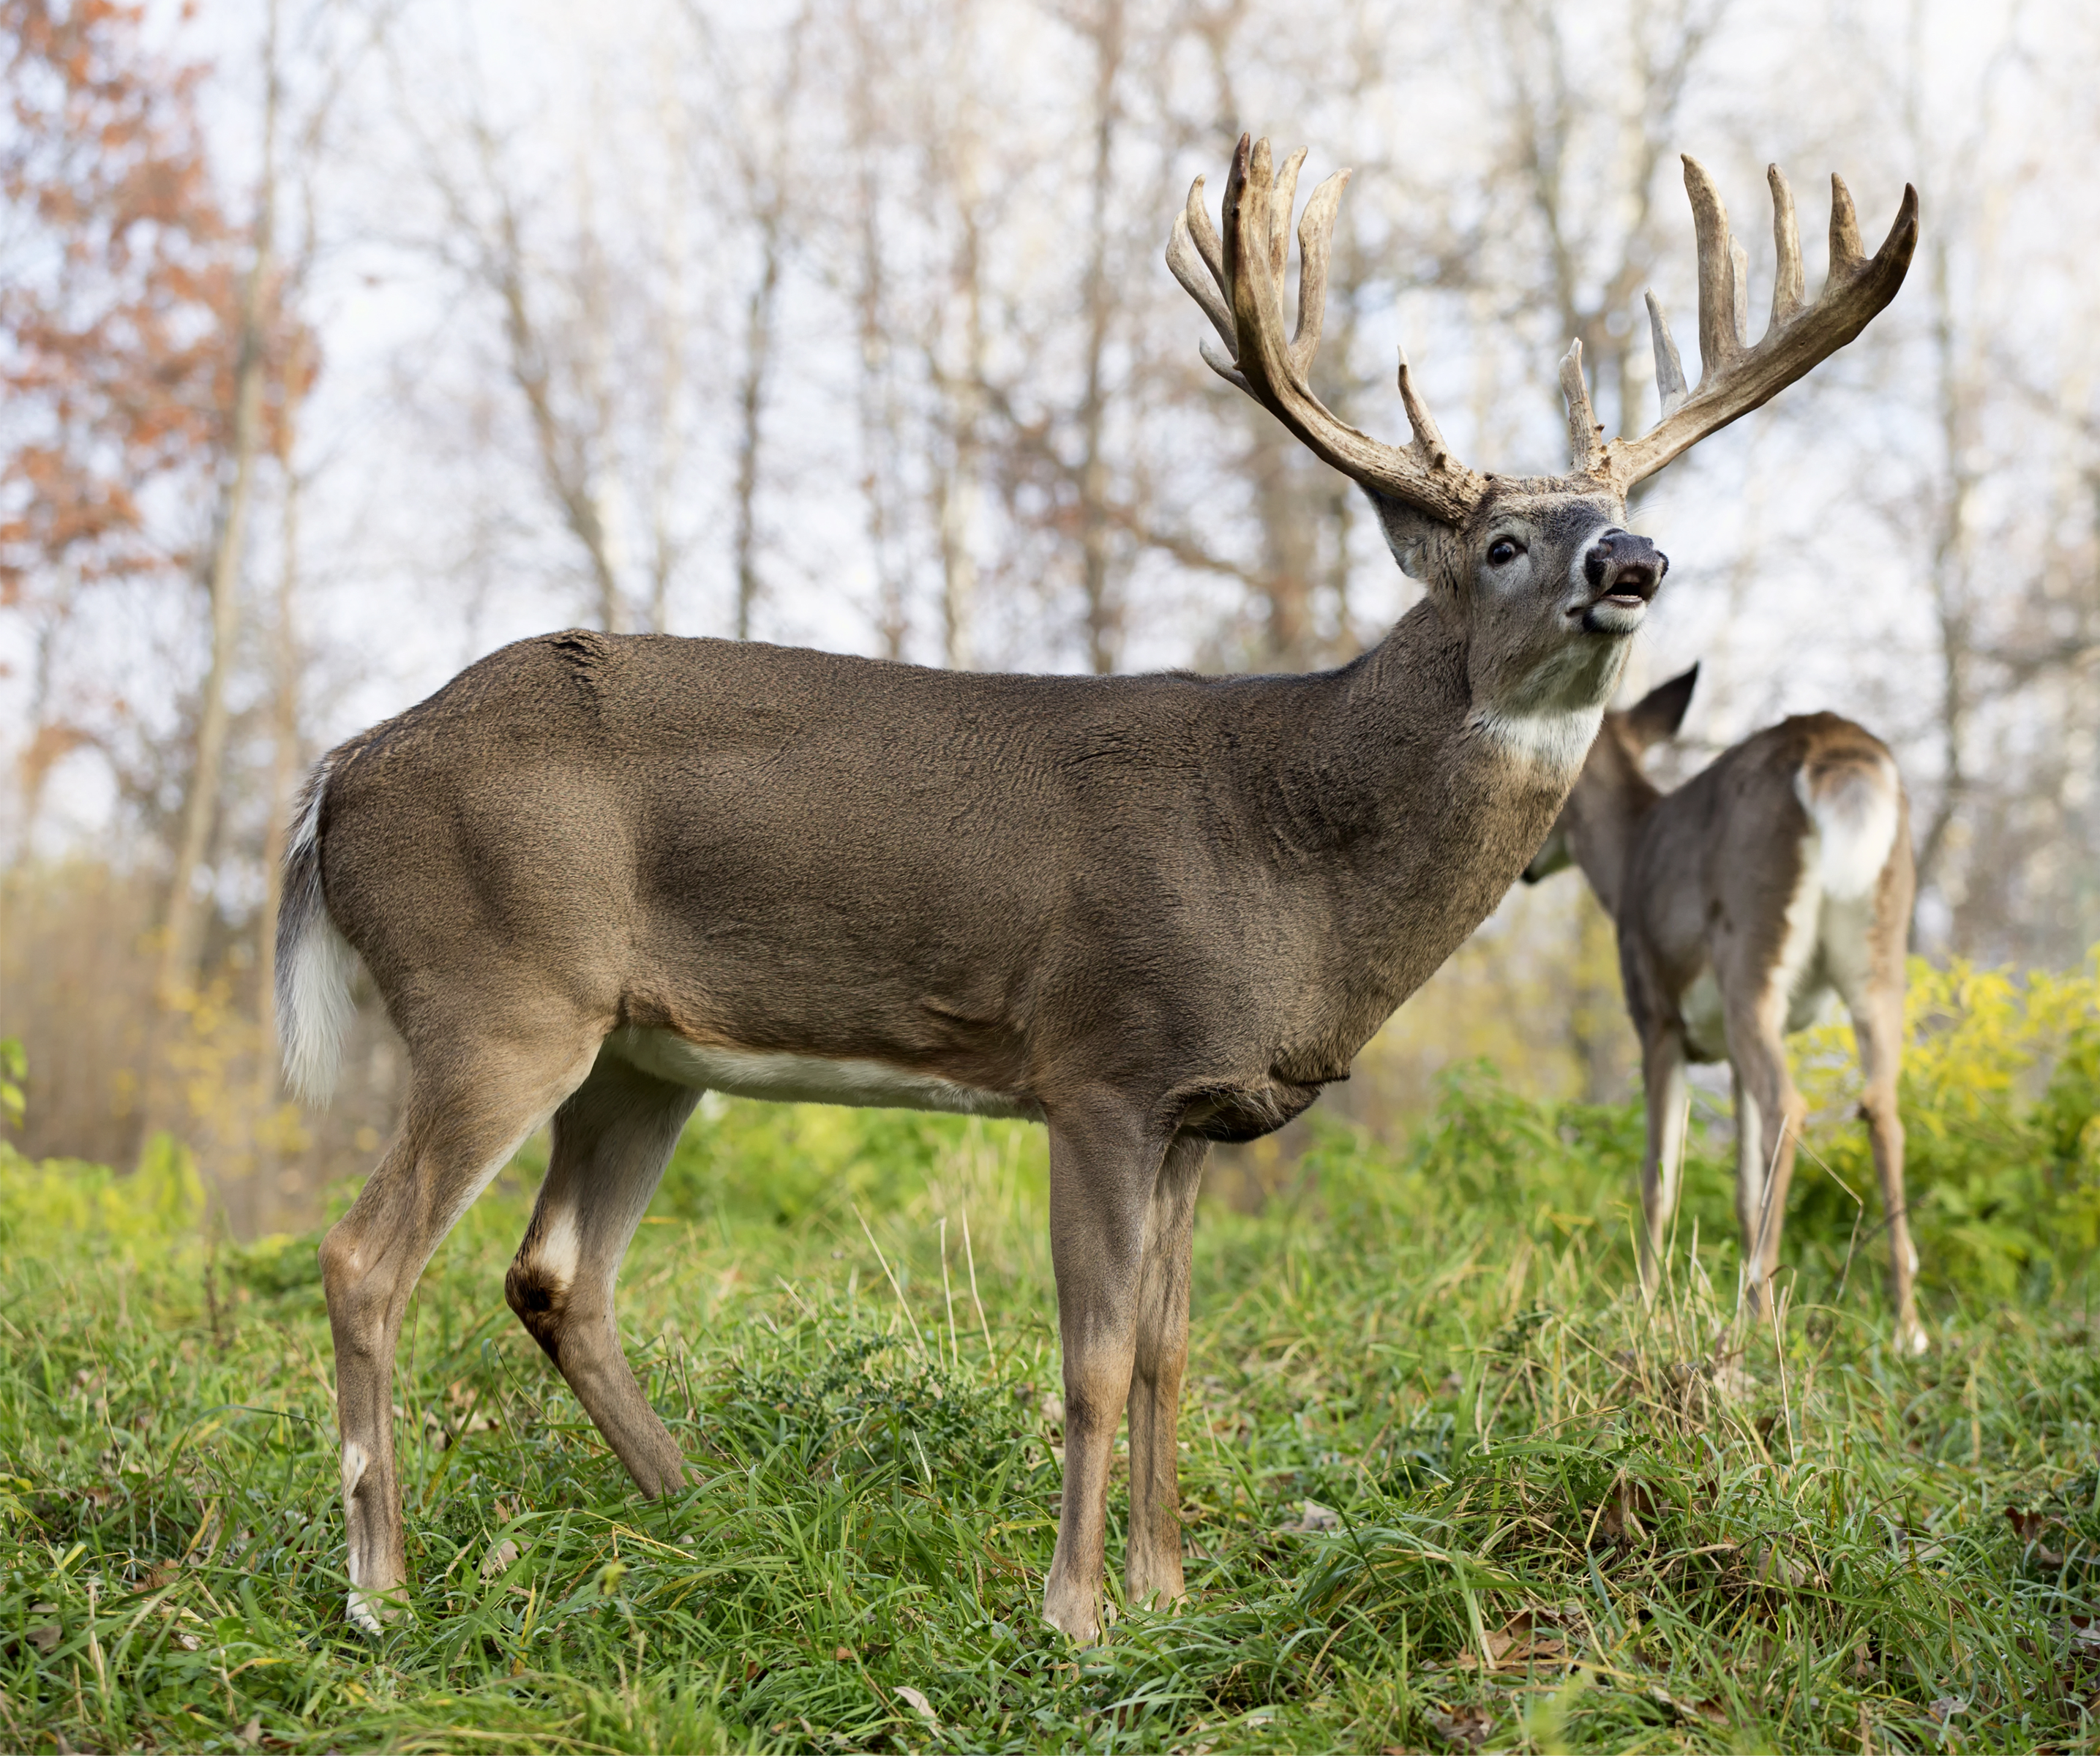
[[1104, 613], [958, 488], [285, 766], [182, 930]]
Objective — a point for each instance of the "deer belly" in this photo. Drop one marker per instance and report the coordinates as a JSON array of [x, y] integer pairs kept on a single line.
[[790, 1078]]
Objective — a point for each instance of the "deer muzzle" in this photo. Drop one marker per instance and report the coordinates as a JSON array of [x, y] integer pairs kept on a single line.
[[1623, 572]]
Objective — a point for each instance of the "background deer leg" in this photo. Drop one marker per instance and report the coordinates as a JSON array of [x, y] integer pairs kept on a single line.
[[1877, 1017], [612, 1138], [456, 1135], [1669, 1096], [1152, 1565], [1768, 1114], [1105, 1165]]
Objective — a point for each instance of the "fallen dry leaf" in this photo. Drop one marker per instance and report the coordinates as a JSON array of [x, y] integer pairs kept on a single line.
[[1522, 1642], [1312, 1516], [1775, 1567], [500, 1560], [1708, 1708], [918, 1704], [1627, 1505], [1466, 1727], [2031, 1527]]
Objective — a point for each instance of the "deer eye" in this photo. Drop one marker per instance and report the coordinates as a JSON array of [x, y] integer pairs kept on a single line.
[[1503, 550]]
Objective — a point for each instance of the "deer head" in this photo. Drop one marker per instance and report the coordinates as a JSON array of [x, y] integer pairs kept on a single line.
[[1539, 573]]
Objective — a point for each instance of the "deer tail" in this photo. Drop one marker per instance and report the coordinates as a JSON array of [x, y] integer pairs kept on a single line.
[[314, 962], [1854, 802]]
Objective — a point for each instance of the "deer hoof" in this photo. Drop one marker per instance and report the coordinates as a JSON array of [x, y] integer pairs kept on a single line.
[[372, 1612]]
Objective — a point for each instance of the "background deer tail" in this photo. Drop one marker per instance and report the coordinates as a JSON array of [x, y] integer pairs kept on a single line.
[[1853, 800], [314, 962]]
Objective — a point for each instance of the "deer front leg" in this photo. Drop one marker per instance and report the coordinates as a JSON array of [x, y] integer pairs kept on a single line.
[[1669, 1105], [1152, 1565], [1104, 1163]]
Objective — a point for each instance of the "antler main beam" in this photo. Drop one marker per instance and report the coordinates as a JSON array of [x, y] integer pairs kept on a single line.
[[1237, 278], [1736, 377]]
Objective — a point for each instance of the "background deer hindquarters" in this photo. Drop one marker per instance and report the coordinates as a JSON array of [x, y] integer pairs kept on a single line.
[[594, 874], [1780, 874]]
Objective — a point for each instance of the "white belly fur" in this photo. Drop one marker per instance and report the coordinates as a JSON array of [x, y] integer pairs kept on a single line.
[[790, 1078]]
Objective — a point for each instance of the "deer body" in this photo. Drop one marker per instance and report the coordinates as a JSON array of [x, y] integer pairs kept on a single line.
[[1778, 875], [594, 875]]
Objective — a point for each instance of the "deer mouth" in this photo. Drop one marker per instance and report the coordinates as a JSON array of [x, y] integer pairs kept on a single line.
[[1613, 612]]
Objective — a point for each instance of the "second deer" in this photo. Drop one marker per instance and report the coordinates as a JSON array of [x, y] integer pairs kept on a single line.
[[1779, 874]]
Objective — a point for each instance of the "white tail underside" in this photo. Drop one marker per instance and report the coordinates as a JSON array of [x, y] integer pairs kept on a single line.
[[1854, 815], [314, 969]]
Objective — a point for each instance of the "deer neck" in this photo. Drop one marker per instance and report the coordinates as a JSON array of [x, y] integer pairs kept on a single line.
[[1426, 809]]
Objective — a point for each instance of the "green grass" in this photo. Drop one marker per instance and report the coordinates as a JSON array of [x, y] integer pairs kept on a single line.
[[1534, 1517]]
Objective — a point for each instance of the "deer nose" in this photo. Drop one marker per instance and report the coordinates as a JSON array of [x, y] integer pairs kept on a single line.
[[1620, 564]]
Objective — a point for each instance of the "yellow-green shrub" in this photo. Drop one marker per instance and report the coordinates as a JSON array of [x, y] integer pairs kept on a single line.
[[2001, 1102]]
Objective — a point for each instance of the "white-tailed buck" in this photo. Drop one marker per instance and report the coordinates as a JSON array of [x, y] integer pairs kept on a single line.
[[1776, 876], [593, 876]]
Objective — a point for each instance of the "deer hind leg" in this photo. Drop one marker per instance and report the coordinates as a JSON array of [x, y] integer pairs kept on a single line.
[[1877, 1022], [612, 1138], [1152, 1566], [1105, 1159], [462, 1124], [1669, 1096], [1768, 1117]]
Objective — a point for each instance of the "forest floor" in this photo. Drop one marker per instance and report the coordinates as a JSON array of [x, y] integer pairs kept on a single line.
[[1448, 1484]]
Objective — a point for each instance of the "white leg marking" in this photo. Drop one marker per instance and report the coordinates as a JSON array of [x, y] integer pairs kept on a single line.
[[354, 1463], [558, 1251], [1677, 1115], [1750, 1175]]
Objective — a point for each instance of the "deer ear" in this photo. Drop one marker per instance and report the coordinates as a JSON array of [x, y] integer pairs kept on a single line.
[[1657, 714], [1411, 536]]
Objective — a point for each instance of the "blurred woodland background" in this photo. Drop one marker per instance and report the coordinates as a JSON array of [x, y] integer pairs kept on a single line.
[[341, 342]]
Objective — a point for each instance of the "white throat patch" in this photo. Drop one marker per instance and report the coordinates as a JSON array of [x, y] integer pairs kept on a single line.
[[1557, 739]]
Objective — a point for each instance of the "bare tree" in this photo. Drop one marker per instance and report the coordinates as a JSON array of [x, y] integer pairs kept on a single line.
[[182, 929]]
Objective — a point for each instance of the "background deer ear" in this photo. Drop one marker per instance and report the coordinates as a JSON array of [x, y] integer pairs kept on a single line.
[[1657, 714], [1411, 536]]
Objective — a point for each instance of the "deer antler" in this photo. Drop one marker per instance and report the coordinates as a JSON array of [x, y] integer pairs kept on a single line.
[[1243, 297], [1736, 377]]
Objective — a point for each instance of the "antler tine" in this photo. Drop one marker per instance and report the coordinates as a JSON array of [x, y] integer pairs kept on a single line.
[[1315, 240], [1427, 443], [1717, 272], [1846, 255], [1586, 438], [1736, 378], [1787, 283], [1190, 254], [1283, 199], [1669, 385], [1246, 307]]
